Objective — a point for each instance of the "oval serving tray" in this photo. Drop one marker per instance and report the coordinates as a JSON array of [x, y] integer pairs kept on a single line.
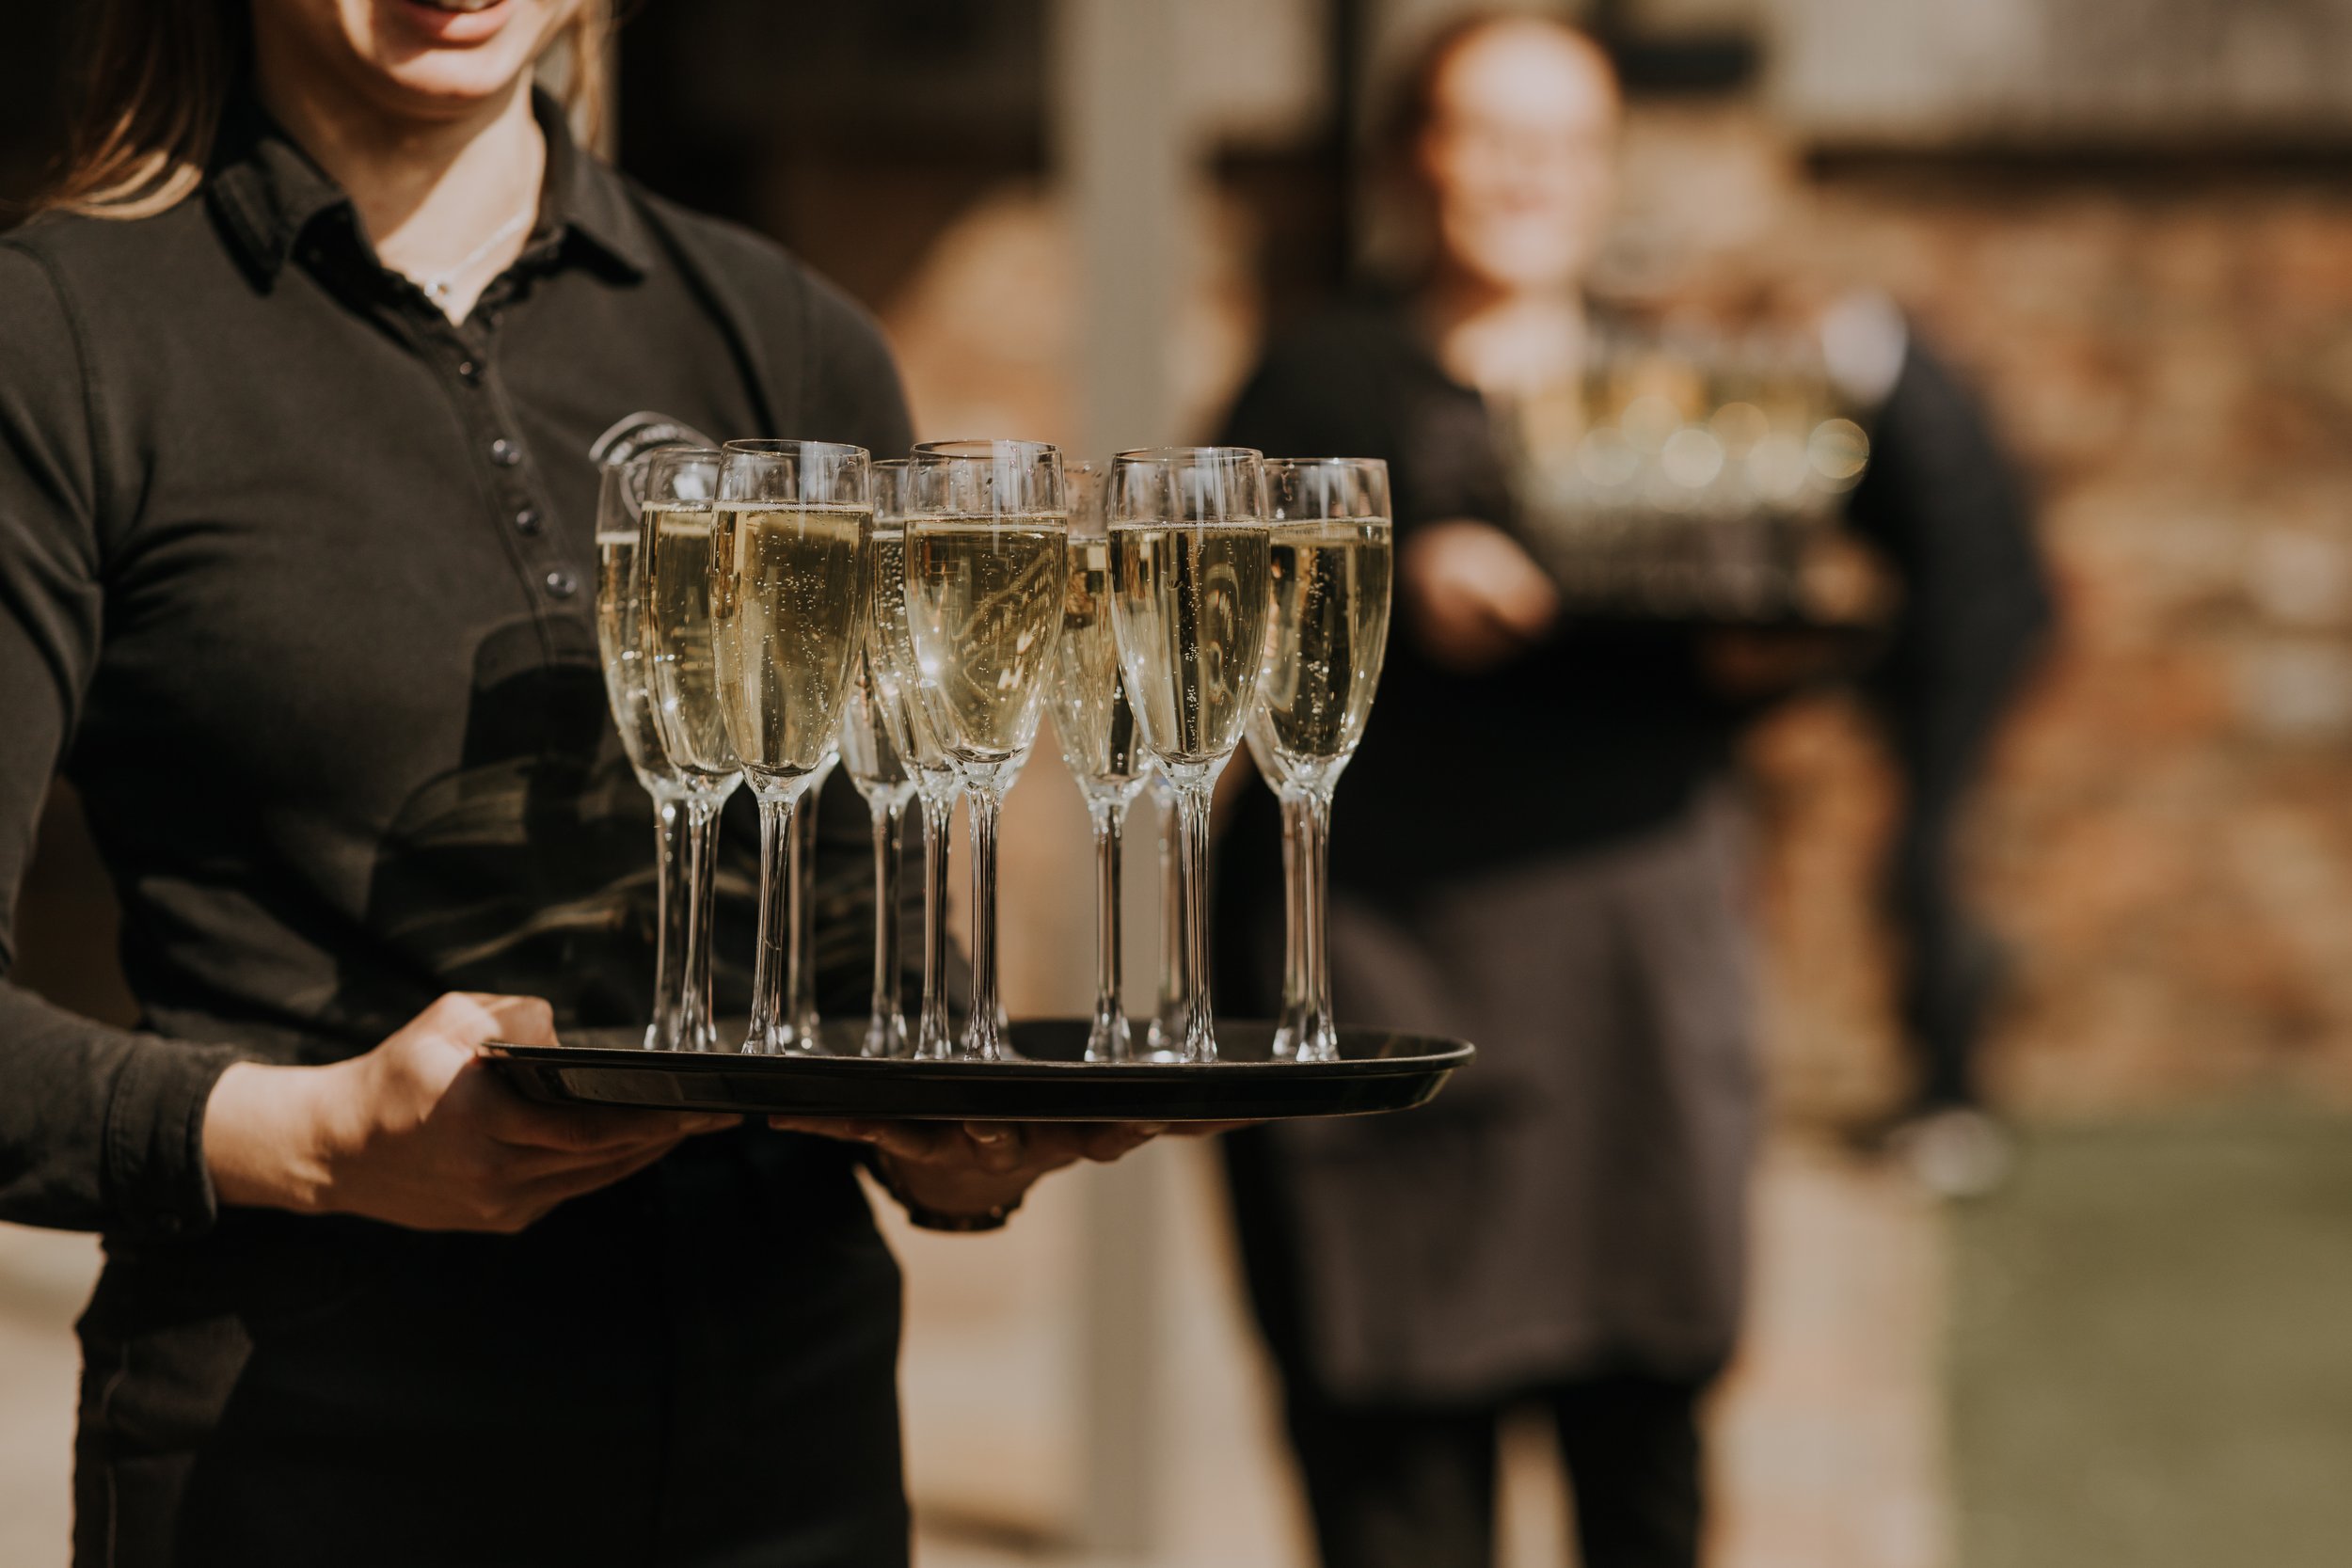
[[1378, 1070]]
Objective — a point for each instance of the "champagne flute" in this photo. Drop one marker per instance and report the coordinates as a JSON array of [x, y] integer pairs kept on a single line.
[[1097, 728], [880, 772], [620, 609], [987, 541], [789, 535], [1327, 636], [675, 490], [898, 673], [1189, 560]]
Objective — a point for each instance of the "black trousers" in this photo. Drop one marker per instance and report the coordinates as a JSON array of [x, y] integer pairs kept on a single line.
[[694, 1368], [1414, 1488]]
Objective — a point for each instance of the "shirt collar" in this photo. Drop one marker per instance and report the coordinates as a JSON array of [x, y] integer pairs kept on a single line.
[[269, 192]]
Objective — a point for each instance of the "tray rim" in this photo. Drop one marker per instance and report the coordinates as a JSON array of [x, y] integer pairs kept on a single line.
[[1457, 1053], [1022, 1089]]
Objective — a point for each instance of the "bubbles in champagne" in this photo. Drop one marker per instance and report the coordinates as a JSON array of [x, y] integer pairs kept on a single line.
[[786, 592], [984, 608], [890, 644], [869, 749], [677, 636], [1327, 638], [1092, 714], [1190, 604], [620, 613]]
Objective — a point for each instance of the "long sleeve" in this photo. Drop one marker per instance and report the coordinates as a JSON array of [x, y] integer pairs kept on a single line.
[[1949, 510], [100, 1128]]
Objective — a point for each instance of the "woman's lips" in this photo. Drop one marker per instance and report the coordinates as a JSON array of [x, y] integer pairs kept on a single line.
[[455, 22]]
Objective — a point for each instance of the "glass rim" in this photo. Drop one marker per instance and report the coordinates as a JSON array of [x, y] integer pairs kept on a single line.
[[646, 460], [978, 449], [788, 446], [1296, 464], [1140, 456]]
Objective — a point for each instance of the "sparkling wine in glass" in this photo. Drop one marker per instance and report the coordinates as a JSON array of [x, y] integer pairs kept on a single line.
[[870, 752], [1099, 740], [890, 647], [1190, 561], [987, 563], [620, 612], [675, 489], [1331, 567], [789, 535]]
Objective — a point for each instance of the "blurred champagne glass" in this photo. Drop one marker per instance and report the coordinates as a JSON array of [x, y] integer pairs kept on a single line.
[[1189, 562], [1331, 567], [620, 613], [898, 674], [1099, 740], [789, 534], [675, 490], [871, 754], [987, 541]]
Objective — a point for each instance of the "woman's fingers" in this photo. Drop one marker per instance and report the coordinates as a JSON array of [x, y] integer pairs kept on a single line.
[[585, 1129], [997, 1146], [991, 1147], [919, 1141], [535, 1198]]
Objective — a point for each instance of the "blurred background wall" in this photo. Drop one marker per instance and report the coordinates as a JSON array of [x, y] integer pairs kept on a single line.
[[2129, 222]]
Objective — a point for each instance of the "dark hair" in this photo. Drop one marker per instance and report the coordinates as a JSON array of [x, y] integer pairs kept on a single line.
[[158, 75], [1412, 99]]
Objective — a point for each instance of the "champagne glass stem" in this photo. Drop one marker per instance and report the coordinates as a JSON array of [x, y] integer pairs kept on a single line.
[[886, 1026], [695, 1030], [663, 1032], [1167, 1022], [1107, 1040], [801, 1023], [983, 1039], [772, 1026], [1297, 1000], [933, 1041], [1192, 831], [1320, 1040]]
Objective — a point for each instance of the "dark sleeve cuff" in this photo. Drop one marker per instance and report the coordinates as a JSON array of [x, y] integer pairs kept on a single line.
[[157, 1187]]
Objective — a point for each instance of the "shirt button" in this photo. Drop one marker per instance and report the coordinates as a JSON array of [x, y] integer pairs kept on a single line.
[[561, 584], [527, 520], [469, 371], [505, 453]]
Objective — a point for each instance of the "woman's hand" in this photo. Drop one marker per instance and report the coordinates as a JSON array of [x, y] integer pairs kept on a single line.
[[973, 1168], [420, 1132], [1475, 597]]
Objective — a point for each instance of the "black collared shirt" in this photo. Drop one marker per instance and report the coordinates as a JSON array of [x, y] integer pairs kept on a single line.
[[296, 585]]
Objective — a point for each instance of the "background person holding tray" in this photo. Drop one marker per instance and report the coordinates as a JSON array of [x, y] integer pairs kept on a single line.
[[302, 369], [1542, 854]]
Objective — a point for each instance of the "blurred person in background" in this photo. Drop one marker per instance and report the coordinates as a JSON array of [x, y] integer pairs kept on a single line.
[[305, 358], [1541, 852]]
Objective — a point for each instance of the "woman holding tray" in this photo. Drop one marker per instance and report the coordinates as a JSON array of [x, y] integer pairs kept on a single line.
[[304, 362], [1539, 852]]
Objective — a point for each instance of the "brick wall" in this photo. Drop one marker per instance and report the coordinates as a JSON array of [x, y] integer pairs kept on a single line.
[[2165, 837]]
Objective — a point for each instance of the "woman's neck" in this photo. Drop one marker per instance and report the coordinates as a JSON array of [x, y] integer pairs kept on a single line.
[[1505, 343], [431, 194]]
